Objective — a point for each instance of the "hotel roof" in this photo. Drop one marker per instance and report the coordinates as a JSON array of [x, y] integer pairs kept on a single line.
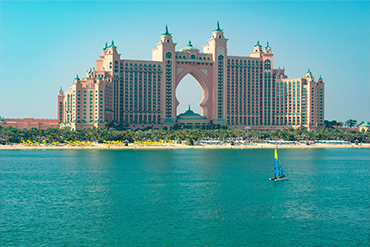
[[189, 113], [189, 47], [364, 124]]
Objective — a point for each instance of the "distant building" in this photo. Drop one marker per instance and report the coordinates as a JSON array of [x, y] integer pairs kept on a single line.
[[243, 92], [364, 126], [29, 122]]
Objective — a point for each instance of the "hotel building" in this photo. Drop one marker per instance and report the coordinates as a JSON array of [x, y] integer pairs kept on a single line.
[[241, 92]]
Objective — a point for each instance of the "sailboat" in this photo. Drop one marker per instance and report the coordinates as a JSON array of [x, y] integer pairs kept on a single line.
[[278, 169]]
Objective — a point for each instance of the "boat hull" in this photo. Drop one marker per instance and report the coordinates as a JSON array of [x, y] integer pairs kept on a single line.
[[278, 179]]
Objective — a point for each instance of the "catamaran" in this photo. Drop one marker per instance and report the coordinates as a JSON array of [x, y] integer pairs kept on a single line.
[[278, 169]]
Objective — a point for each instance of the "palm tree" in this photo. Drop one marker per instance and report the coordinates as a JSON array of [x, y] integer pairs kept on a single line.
[[351, 123]]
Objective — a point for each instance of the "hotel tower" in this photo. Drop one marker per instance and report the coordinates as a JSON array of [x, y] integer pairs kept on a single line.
[[240, 92]]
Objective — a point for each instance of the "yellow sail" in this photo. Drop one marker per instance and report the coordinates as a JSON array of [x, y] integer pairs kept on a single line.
[[276, 154]]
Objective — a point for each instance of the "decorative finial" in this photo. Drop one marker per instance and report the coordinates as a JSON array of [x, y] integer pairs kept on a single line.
[[112, 44], [77, 78], [218, 27], [308, 70], [258, 43], [189, 107], [268, 46], [166, 31], [189, 44], [60, 90], [106, 46], [320, 78]]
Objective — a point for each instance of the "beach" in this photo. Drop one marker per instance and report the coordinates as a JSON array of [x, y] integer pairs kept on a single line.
[[180, 146]]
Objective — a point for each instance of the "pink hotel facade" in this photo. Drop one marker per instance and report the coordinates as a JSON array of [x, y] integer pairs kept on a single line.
[[241, 92]]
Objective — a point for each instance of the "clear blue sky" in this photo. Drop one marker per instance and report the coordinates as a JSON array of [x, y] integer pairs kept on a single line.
[[43, 45]]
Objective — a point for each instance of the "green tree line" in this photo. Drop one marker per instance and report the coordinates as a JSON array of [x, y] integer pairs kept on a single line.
[[13, 135], [350, 123]]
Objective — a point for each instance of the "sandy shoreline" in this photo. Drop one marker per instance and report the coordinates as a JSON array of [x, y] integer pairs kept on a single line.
[[177, 146]]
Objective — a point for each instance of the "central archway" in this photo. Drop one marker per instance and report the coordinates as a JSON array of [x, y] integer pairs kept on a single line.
[[189, 93], [199, 78]]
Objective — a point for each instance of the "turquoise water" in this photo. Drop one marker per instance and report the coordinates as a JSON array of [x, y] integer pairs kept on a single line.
[[184, 198]]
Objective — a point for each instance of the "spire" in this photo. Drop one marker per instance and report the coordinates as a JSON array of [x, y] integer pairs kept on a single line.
[[218, 27], [320, 78], [60, 90], [258, 44], [77, 78], [112, 45], [189, 107], [268, 46], [166, 31], [189, 44], [106, 46], [309, 73]]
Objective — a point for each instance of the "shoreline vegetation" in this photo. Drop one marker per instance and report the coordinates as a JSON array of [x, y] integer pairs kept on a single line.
[[179, 138], [132, 146]]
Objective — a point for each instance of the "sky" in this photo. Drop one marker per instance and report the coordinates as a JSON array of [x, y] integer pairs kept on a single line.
[[44, 44]]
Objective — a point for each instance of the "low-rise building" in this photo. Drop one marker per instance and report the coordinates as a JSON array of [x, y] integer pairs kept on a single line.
[[192, 120], [29, 122], [364, 126]]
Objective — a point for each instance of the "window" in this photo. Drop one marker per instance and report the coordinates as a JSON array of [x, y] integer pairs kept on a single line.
[[267, 64]]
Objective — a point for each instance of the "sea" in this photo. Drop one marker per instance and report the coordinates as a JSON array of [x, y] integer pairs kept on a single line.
[[187, 197]]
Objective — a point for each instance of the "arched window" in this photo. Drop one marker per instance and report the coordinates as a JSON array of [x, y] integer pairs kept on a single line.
[[267, 64], [219, 36], [192, 56], [168, 55], [168, 41]]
